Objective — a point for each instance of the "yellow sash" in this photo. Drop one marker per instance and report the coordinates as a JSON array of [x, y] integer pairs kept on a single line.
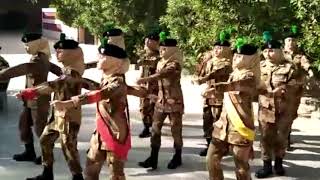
[[235, 119]]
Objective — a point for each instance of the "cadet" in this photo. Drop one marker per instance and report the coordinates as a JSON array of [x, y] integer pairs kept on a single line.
[[111, 141], [35, 112], [115, 36], [235, 128], [275, 119], [217, 70], [62, 124], [149, 61], [169, 103], [303, 66], [3, 85]]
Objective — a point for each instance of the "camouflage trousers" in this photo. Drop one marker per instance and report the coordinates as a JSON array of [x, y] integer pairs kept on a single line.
[[176, 128], [36, 117], [241, 156], [146, 110], [210, 115], [97, 155], [68, 145], [274, 136]]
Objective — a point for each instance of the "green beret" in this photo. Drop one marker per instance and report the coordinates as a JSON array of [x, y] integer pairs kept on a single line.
[[64, 43], [246, 49], [113, 32], [169, 43], [27, 37], [153, 36], [113, 51]]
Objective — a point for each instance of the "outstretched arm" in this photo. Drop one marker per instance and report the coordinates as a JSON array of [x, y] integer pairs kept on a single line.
[[91, 65], [19, 70], [171, 69], [55, 69]]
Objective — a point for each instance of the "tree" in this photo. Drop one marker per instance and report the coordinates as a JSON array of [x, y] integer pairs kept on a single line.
[[308, 12], [135, 17], [197, 23]]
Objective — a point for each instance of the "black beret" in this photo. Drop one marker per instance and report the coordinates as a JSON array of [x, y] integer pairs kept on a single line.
[[113, 51], [113, 32], [169, 42], [27, 37], [246, 49], [273, 44], [224, 43], [153, 36], [66, 44]]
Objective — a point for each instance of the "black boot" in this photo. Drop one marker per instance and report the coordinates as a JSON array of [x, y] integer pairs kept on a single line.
[[38, 160], [28, 155], [176, 160], [151, 161], [204, 151], [77, 177], [289, 148], [266, 171], [145, 132], [47, 174], [278, 167]]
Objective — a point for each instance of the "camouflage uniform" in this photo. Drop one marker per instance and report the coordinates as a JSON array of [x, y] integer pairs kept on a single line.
[[275, 118], [169, 104], [62, 124], [149, 66], [113, 93], [216, 70], [35, 112], [303, 66], [111, 141], [3, 65], [225, 136], [3, 85]]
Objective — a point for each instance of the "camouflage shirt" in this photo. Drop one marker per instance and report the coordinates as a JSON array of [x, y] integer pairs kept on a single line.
[[274, 76], [149, 66], [3, 65]]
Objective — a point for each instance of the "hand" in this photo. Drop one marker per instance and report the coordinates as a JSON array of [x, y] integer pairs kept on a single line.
[[195, 81], [153, 98], [279, 91], [19, 96], [142, 81], [208, 92], [311, 74], [62, 105]]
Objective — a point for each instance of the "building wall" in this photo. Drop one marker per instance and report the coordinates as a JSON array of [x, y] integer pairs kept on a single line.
[[21, 14]]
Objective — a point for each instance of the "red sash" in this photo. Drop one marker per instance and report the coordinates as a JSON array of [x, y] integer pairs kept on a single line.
[[119, 150]]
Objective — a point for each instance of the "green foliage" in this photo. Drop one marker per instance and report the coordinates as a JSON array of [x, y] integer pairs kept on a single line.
[[197, 23], [135, 17], [308, 12]]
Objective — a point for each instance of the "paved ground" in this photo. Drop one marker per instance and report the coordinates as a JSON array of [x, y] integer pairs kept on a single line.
[[303, 163]]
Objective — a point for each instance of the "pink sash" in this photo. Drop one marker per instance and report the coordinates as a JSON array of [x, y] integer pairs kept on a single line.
[[120, 150]]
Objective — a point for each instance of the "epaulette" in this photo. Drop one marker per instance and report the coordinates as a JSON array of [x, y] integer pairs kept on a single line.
[[263, 63]]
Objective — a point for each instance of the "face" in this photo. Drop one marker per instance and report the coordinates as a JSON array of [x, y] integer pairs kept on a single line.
[[102, 62], [290, 43], [163, 51], [238, 61], [151, 44], [59, 54], [32, 47], [217, 51], [265, 53], [273, 54]]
